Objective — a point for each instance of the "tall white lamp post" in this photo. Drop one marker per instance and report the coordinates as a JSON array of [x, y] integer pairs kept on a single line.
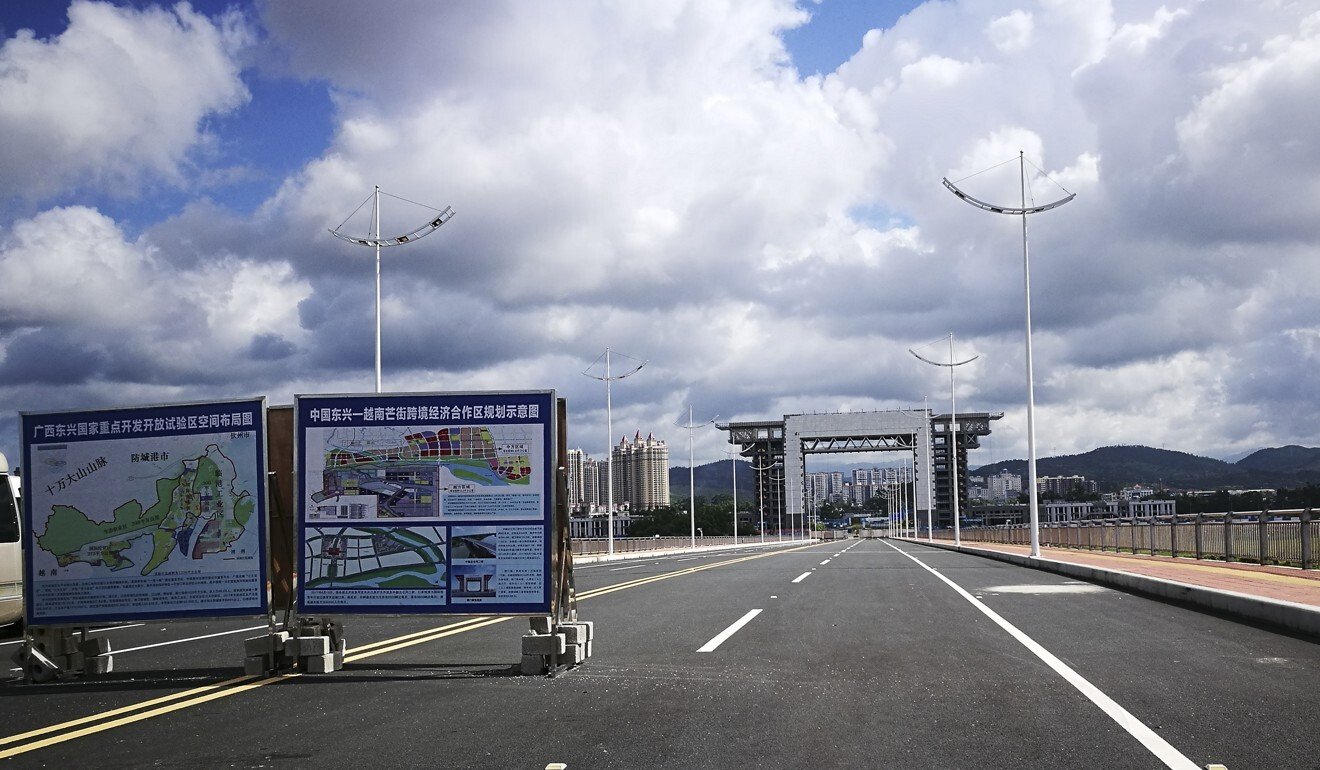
[[1023, 211], [953, 430], [377, 242], [733, 460], [692, 471], [609, 439], [760, 491], [930, 475]]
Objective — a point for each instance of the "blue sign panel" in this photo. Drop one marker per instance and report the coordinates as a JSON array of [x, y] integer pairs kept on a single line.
[[144, 513], [431, 503]]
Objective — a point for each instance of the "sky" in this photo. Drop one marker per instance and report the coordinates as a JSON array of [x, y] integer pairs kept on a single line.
[[745, 194]]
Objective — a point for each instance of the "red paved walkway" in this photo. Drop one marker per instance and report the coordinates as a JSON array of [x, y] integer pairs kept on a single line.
[[1285, 583]]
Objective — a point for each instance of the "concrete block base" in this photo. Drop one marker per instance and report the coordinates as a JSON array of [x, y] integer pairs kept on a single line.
[[265, 645], [306, 646], [315, 655], [100, 664], [574, 633], [318, 664], [533, 665], [543, 644]]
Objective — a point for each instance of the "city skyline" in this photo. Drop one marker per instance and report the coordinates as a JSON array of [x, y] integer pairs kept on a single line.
[[746, 195]]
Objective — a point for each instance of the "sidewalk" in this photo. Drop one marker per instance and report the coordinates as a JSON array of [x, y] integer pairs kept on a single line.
[[1280, 596]]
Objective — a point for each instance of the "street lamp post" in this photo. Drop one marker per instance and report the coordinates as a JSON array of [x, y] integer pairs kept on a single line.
[[692, 471], [760, 492], [733, 460], [930, 476], [779, 506], [953, 431], [377, 242], [609, 440], [1023, 211]]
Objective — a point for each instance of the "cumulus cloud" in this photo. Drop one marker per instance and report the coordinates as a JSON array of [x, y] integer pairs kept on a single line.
[[89, 309], [116, 99], [661, 180]]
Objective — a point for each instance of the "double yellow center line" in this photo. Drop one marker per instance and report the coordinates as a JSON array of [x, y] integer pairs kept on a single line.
[[42, 737]]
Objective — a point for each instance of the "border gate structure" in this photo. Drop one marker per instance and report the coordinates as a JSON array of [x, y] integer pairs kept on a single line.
[[920, 432]]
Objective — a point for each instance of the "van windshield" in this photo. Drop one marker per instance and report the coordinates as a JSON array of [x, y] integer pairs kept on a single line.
[[8, 513]]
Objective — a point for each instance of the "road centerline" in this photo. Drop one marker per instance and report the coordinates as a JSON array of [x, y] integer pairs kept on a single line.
[[102, 721], [801, 577]]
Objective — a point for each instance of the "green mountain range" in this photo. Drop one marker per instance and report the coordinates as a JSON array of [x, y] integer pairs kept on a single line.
[[1114, 467]]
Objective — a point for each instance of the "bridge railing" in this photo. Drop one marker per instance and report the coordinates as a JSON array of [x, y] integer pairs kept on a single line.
[[596, 545], [1285, 537]]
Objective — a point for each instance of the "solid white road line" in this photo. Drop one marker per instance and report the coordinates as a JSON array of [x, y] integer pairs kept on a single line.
[[189, 639], [635, 566], [801, 577], [730, 631], [1161, 748]]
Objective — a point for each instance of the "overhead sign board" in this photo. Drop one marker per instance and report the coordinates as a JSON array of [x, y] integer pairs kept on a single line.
[[145, 513], [425, 503]]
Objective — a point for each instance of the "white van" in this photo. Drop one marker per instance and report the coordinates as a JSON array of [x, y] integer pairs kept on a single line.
[[11, 548]]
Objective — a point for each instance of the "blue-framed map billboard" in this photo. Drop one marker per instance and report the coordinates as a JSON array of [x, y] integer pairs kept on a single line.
[[144, 513], [425, 503]]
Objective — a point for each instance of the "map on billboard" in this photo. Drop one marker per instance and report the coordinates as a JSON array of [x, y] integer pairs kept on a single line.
[[403, 497], [144, 513]]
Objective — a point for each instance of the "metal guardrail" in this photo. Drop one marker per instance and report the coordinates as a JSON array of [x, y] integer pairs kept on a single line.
[[590, 546], [1285, 538]]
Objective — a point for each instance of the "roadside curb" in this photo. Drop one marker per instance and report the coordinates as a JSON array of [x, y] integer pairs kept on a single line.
[[1289, 616], [630, 555]]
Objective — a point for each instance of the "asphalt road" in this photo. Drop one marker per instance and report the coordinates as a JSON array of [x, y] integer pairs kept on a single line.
[[870, 660]]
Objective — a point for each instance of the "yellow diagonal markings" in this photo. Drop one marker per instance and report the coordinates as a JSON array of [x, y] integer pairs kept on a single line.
[[123, 710], [204, 694], [438, 633], [96, 728], [373, 645]]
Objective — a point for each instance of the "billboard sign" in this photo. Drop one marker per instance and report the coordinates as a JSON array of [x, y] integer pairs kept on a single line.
[[145, 513], [425, 503]]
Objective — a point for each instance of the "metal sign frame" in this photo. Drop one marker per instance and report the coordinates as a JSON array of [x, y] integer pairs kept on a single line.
[[138, 423], [424, 416]]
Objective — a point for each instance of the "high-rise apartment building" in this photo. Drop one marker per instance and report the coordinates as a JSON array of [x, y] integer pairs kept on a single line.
[[817, 487], [593, 485], [1064, 485], [587, 490], [577, 460], [641, 473], [1004, 486]]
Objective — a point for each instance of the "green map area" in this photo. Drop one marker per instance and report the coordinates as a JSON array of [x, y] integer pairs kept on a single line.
[[201, 495]]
